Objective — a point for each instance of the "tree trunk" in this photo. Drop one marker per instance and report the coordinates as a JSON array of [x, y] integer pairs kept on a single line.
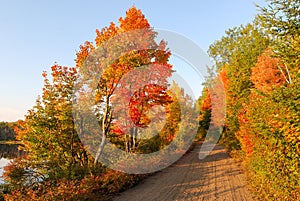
[[101, 148], [105, 125]]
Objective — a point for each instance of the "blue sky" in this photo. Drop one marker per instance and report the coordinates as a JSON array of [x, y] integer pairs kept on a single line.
[[35, 34]]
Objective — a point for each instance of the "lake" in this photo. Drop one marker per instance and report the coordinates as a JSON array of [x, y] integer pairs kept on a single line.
[[7, 153]]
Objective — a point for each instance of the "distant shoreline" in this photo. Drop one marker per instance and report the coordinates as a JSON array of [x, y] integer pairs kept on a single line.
[[10, 142]]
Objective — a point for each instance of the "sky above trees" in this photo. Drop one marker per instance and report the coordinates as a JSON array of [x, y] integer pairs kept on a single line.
[[35, 34]]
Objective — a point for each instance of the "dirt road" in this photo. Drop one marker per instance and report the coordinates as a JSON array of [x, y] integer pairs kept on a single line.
[[217, 177]]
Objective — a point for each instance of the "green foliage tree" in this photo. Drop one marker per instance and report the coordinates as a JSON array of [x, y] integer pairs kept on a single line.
[[48, 133], [237, 53], [204, 105], [273, 114], [261, 62], [281, 20]]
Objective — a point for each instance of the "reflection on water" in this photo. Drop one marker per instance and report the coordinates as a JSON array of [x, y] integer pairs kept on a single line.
[[10, 151], [7, 153], [3, 162]]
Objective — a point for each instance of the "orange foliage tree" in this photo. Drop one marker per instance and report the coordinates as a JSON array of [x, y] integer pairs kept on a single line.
[[266, 76], [268, 72], [125, 50]]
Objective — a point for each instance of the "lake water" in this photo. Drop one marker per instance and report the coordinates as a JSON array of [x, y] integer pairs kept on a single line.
[[7, 153]]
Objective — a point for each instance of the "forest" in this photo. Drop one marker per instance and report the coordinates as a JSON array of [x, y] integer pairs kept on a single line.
[[7, 131], [257, 64]]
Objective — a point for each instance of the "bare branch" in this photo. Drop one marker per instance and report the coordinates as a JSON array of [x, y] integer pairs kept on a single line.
[[288, 72], [283, 74]]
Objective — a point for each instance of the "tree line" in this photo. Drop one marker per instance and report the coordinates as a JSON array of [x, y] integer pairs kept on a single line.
[[258, 64], [7, 132]]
